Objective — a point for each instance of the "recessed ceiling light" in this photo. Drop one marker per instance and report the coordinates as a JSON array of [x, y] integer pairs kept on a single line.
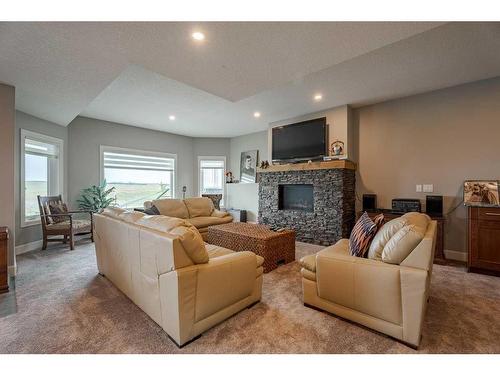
[[256, 114], [318, 97], [198, 36], [171, 117]]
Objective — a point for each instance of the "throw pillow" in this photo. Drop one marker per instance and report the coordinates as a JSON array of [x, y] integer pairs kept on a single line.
[[383, 236], [402, 244], [379, 221], [58, 208], [153, 210], [362, 234]]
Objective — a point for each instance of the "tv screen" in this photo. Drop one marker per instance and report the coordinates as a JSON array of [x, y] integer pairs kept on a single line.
[[302, 141]]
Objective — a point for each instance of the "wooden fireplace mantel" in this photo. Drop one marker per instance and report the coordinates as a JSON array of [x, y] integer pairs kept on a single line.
[[332, 164]]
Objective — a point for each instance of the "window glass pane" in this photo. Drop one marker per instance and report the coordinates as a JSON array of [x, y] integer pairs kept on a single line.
[[138, 178], [35, 183], [212, 177]]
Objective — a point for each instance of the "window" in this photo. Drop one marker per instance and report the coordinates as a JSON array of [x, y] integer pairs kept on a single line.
[[41, 172], [138, 176], [212, 179]]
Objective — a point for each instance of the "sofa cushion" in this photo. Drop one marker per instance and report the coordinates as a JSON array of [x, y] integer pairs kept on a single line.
[[383, 236], [152, 210], [418, 219], [161, 223], [215, 251], [309, 262], [193, 243], [131, 216], [205, 221], [402, 244], [114, 212], [172, 208], [361, 236], [199, 206], [218, 213]]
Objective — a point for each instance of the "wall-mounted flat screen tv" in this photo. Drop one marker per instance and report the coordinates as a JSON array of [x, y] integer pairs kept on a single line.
[[302, 141]]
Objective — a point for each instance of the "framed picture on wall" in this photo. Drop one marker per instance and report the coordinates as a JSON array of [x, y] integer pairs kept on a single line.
[[481, 193], [248, 166]]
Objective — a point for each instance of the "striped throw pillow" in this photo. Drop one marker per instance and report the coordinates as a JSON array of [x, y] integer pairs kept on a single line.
[[361, 236]]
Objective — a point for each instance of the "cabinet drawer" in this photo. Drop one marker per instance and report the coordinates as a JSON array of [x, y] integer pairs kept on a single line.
[[489, 214]]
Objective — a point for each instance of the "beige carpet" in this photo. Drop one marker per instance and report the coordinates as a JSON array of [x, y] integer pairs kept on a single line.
[[64, 306]]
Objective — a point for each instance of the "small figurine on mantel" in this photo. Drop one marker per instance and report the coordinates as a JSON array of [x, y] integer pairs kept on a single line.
[[229, 177], [264, 164], [337, 151]]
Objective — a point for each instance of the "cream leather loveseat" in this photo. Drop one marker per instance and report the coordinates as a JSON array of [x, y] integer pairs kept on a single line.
[[389, 298], [165, 268], [198, 211]]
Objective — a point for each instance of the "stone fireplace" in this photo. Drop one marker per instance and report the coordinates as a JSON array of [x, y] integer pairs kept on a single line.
[[317, 200]]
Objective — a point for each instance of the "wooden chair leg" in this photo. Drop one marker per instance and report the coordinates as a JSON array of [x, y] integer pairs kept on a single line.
[[44, 244], [92, 236], [65, 239], [71, 241]]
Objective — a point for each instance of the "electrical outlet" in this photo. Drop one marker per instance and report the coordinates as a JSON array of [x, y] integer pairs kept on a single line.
[[419, 189], [428, 188]]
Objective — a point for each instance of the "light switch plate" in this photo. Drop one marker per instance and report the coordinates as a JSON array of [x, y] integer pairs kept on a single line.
[[419, 189], [428, 188]]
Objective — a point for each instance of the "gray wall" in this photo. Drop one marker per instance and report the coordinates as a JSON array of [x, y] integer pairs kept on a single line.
[[86, 135], [31, 123], [245, 196], [7, 130], [442, 138]]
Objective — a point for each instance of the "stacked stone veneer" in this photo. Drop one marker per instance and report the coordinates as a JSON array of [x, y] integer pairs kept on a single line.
[[334, 204]]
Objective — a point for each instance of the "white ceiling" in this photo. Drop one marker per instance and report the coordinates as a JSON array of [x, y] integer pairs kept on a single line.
[[140, 73]]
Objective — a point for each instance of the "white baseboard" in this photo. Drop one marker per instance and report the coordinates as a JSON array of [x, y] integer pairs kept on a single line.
[[30, 246], [455, 255], [12, 270]]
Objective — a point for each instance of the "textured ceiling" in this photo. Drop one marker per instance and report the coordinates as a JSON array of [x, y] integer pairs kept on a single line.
[[140, 73]]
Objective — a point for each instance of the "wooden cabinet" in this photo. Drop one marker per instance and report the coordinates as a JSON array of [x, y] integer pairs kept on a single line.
[[484, 240], [439, 252], [4, 277]]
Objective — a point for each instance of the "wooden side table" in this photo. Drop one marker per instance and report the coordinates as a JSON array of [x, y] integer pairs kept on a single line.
[[4, 276], [389, 215]]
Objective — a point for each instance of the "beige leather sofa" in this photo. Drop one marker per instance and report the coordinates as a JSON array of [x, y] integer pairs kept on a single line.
[[389, 298], [198, 211], [165, 268]]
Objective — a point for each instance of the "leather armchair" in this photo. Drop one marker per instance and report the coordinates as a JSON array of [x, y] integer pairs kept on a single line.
[[386, 297]]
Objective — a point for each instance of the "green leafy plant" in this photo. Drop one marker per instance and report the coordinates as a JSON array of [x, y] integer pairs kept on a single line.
[[95, 197]]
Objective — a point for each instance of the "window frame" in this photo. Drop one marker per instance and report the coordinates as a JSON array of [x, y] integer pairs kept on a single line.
[[218, 158], [41, 138], [105, 148]]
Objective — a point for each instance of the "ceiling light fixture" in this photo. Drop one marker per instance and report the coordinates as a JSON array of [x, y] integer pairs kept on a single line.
[[171, 117], [256, 114], [318, 97], [199, 36]]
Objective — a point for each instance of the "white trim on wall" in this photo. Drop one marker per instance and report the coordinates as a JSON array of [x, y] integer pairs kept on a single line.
[[30, 246], [12, 271], [455, 255], [44, 138]]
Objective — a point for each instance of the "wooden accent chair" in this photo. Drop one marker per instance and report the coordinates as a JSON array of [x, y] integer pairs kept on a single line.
[[68, 229]]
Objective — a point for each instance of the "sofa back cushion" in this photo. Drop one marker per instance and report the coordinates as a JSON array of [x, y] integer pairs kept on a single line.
[[199, 206], [172, 208], [402, 244], [188, 235], [131, 216], [383, 236], [113, 212]]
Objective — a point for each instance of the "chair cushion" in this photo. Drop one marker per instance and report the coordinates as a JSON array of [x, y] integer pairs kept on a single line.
[[361, 236], [77, 225], [383, 236], [172, 208], [199, 206], [58, 208], [402, 244], [205, 221]]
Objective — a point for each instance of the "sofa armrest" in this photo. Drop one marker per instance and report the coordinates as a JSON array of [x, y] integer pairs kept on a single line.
[[194, 293], [219, 213]]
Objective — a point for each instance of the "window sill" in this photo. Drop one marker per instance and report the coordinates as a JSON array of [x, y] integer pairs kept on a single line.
[[31, 223]]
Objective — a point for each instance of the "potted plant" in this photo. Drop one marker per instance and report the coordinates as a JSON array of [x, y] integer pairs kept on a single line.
[[95, 197]]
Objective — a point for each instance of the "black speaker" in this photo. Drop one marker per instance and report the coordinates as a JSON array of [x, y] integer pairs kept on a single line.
[[369, 202], [434, 205]]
